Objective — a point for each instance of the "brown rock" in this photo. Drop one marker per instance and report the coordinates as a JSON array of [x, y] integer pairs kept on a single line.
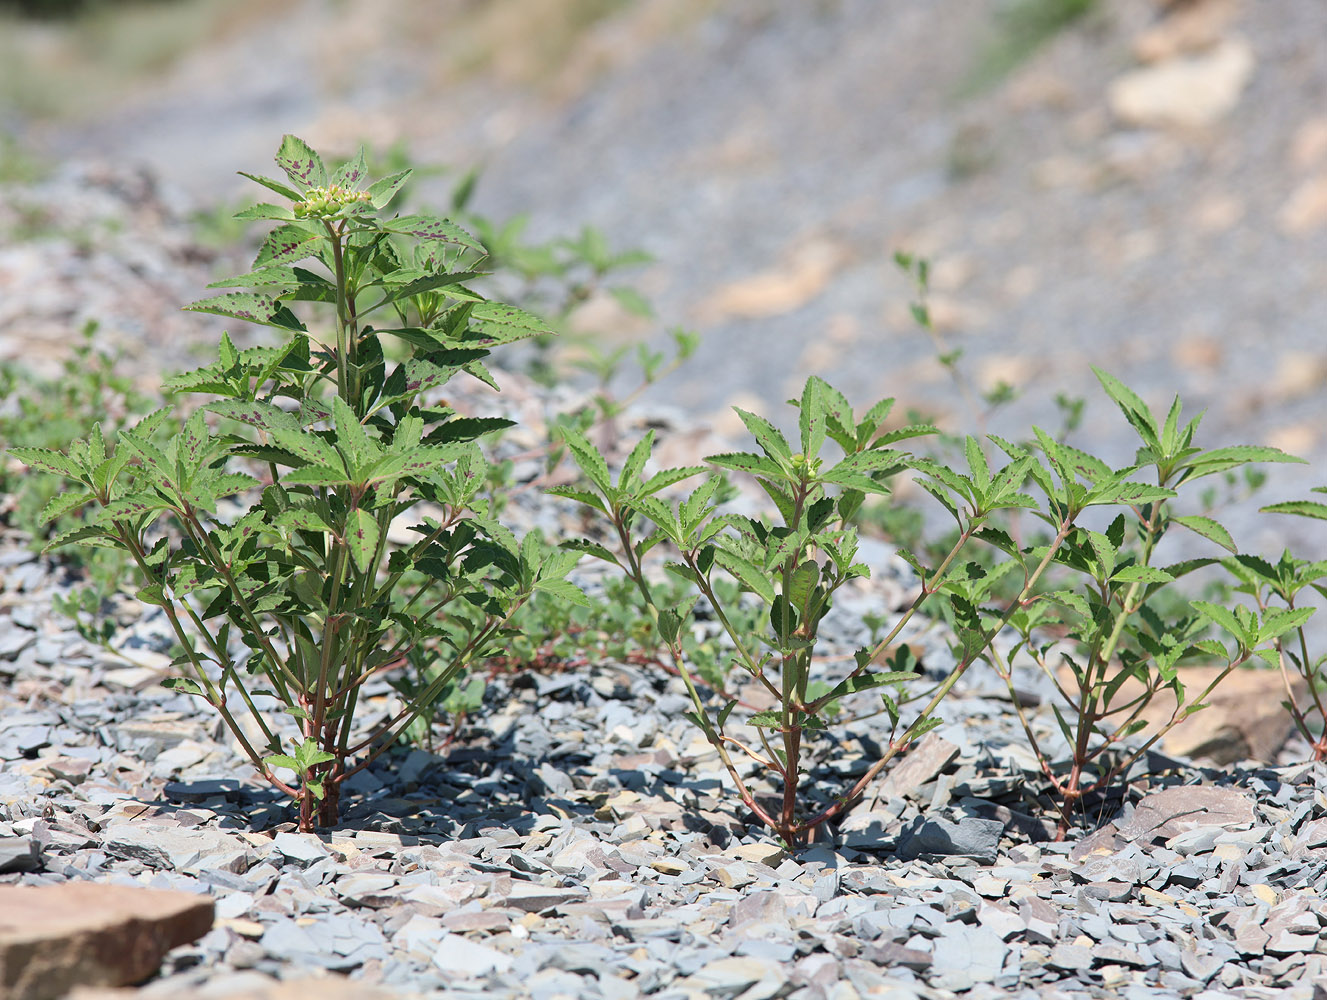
[[1244, 720], [1189, 28], [931, 756], [53, 938], [1297, 439], [1308, 148], [1216, 213], [1187, 92], [1306, 208], [1197, 353], [807, 273], [1170, 812]]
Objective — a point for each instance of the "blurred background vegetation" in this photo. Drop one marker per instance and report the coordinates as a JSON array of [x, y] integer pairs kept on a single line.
[[1138, 184]]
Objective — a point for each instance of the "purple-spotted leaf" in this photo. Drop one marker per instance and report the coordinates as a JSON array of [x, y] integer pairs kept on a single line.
[[302, 165], [63, 503], [361, 538], [287, 244], [499, 323], [381, 192], [263, 277], [427, 227], [264, 211], [251, 306], [183, 685], [138, 505], [350, 175], [47, 461]]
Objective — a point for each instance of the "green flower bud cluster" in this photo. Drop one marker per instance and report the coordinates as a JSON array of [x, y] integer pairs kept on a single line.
[[323, 202]]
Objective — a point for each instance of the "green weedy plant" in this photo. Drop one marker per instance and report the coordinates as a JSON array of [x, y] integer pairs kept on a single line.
[[1284, 584], [794, 565], [327, 444], [793, 568], [1108, 594]]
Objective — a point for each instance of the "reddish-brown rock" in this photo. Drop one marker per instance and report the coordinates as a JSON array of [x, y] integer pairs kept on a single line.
[[53, 938]]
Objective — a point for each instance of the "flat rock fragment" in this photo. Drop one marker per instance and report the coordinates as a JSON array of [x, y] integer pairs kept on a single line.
[[19, 854], [468, 959], [1164, 815], [970, 837], [53, 938], [931, 756]]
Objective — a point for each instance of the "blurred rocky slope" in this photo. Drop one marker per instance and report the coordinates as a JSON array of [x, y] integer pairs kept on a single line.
[[1147, 193]]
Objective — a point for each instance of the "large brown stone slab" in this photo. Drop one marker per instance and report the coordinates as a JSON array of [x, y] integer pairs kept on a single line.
[[1244, 720], [53, 938]]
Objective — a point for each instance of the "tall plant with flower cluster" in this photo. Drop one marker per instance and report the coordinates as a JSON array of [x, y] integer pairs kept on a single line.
[[262, 529]]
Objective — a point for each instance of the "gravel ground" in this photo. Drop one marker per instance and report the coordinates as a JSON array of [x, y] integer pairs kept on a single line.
[[582, 840]]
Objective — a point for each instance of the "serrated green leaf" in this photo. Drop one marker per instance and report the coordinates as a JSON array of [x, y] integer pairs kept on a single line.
[[1224, 618], [251, 306], [426, 227], [301, 164], [726, 711], [811, 417], [669, 477], [1142, 574], [361, 538], [183, 685], [747, 573], [564, 589], [382, 191], [272, 185], [756, 465], [1221, 459], [48, 460], [1131, 405], [1210, 529], [264, 211], [288, 244], [924, 726], [310, 754], [1304, 508], [766, 720], [670, 624], [1279, 621], [631, 468], [771, 441], [589, 460], [499, 323], [1127, 493], [63, 503], [580, 496], [866, 682]]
